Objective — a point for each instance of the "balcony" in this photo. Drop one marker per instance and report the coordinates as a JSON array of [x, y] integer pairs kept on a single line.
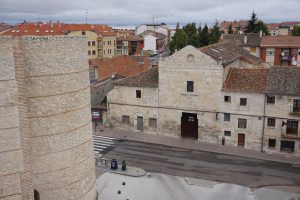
[[295, 109]]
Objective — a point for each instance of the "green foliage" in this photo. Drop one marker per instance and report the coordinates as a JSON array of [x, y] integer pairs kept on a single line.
[[255, 26], [215, 34], [296, 31], [190, 34], [230, 31]]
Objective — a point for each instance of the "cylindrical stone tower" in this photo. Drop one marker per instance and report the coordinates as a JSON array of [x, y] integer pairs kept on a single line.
[[45, 119], [59, 114]]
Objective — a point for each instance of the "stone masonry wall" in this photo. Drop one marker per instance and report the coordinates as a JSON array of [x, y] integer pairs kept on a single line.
[[45, 119]]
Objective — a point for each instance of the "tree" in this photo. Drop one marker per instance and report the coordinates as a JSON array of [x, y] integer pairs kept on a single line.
[[178, 40], [296, 31], [255, 26], [215, 34], [204, 36], [190, 31], [251, 26], [230, 31]]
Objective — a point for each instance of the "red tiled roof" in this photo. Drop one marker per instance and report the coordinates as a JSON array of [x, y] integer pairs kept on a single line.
[[131, 38], [39, 29], [4, 27], [124, 65], [241, 23], [148, 78], [280, 41], [246, 80]]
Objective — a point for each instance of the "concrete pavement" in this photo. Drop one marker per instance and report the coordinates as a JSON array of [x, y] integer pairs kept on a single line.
[[195, 145]]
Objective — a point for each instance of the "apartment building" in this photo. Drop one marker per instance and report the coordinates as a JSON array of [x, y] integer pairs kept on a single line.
[[280, 50]]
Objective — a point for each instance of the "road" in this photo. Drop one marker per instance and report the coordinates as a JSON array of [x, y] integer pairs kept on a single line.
[[205, 165]]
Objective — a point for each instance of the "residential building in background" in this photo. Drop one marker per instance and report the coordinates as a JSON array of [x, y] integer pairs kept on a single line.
[[129, 45], [154, 41], [237, 26], [283, 28], [280, 50], [101, 38], [45, 119], [249, 41], [159, 28]]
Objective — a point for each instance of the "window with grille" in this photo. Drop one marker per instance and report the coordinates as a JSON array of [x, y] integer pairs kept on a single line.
[[271, 122], [190, 86], [271, 99], [227, 99], [226, 117], [125, 119], [243, 101], [242, 123], [227, 133]]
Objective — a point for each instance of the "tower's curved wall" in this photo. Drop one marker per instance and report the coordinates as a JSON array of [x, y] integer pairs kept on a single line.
[[58, 100]]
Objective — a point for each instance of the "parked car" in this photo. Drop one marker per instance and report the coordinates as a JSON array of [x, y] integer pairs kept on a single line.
[[113, 164]]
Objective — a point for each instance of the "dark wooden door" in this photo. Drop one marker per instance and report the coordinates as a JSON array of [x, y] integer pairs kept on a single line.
[[140, 123], [241, 139], [189, 125]]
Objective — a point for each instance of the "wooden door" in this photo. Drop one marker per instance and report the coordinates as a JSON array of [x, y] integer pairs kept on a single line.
[[189, 125], [241, 139], [140, 123]]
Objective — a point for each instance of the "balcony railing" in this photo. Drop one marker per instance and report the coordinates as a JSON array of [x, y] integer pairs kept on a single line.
[[286, 58]]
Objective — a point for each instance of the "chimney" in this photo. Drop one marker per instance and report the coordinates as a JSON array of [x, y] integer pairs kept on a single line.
[[260, 34], [50, 21], [245, 39]]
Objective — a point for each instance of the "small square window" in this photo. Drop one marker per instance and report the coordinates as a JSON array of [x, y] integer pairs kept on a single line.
[[125, 119], [243, 101], [226, 117], [93, 43], [242, 123], [227, 98], [271, 122], [152, 122], [227, 133], [138, 94], [272, 143], [89, 43], [83, 33], [94, 52], [190, 86], [271, 99]]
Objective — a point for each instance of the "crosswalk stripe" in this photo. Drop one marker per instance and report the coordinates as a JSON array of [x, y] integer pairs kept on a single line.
[[99, 143], [101, 139], [104, 137], [99, 148], [104, 142]]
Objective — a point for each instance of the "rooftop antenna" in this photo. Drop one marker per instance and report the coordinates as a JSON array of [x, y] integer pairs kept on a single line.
[[86, 14]]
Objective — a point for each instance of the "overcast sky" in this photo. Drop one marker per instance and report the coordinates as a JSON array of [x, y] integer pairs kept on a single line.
[[134, 12]]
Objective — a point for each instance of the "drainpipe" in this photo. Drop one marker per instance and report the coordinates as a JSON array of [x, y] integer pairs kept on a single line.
[[263, 128]]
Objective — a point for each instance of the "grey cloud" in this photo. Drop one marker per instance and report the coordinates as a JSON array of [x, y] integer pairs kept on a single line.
[[133, 12]]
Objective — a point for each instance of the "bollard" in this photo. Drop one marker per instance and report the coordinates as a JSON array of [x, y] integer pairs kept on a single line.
[[123, 165]]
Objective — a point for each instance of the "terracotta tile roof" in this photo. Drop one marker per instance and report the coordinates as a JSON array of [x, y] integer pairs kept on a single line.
[[253, 39], [280, 41], [131, 38], [124, 65], [98, 28], [4, 27], [229, 52], [153, 33], [41, 29], [284, 81], [38, 29], [241, 23], [246, 80], [147, 78]]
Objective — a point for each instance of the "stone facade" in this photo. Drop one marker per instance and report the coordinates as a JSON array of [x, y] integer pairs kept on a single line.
[[171, 101], [45, 120]]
